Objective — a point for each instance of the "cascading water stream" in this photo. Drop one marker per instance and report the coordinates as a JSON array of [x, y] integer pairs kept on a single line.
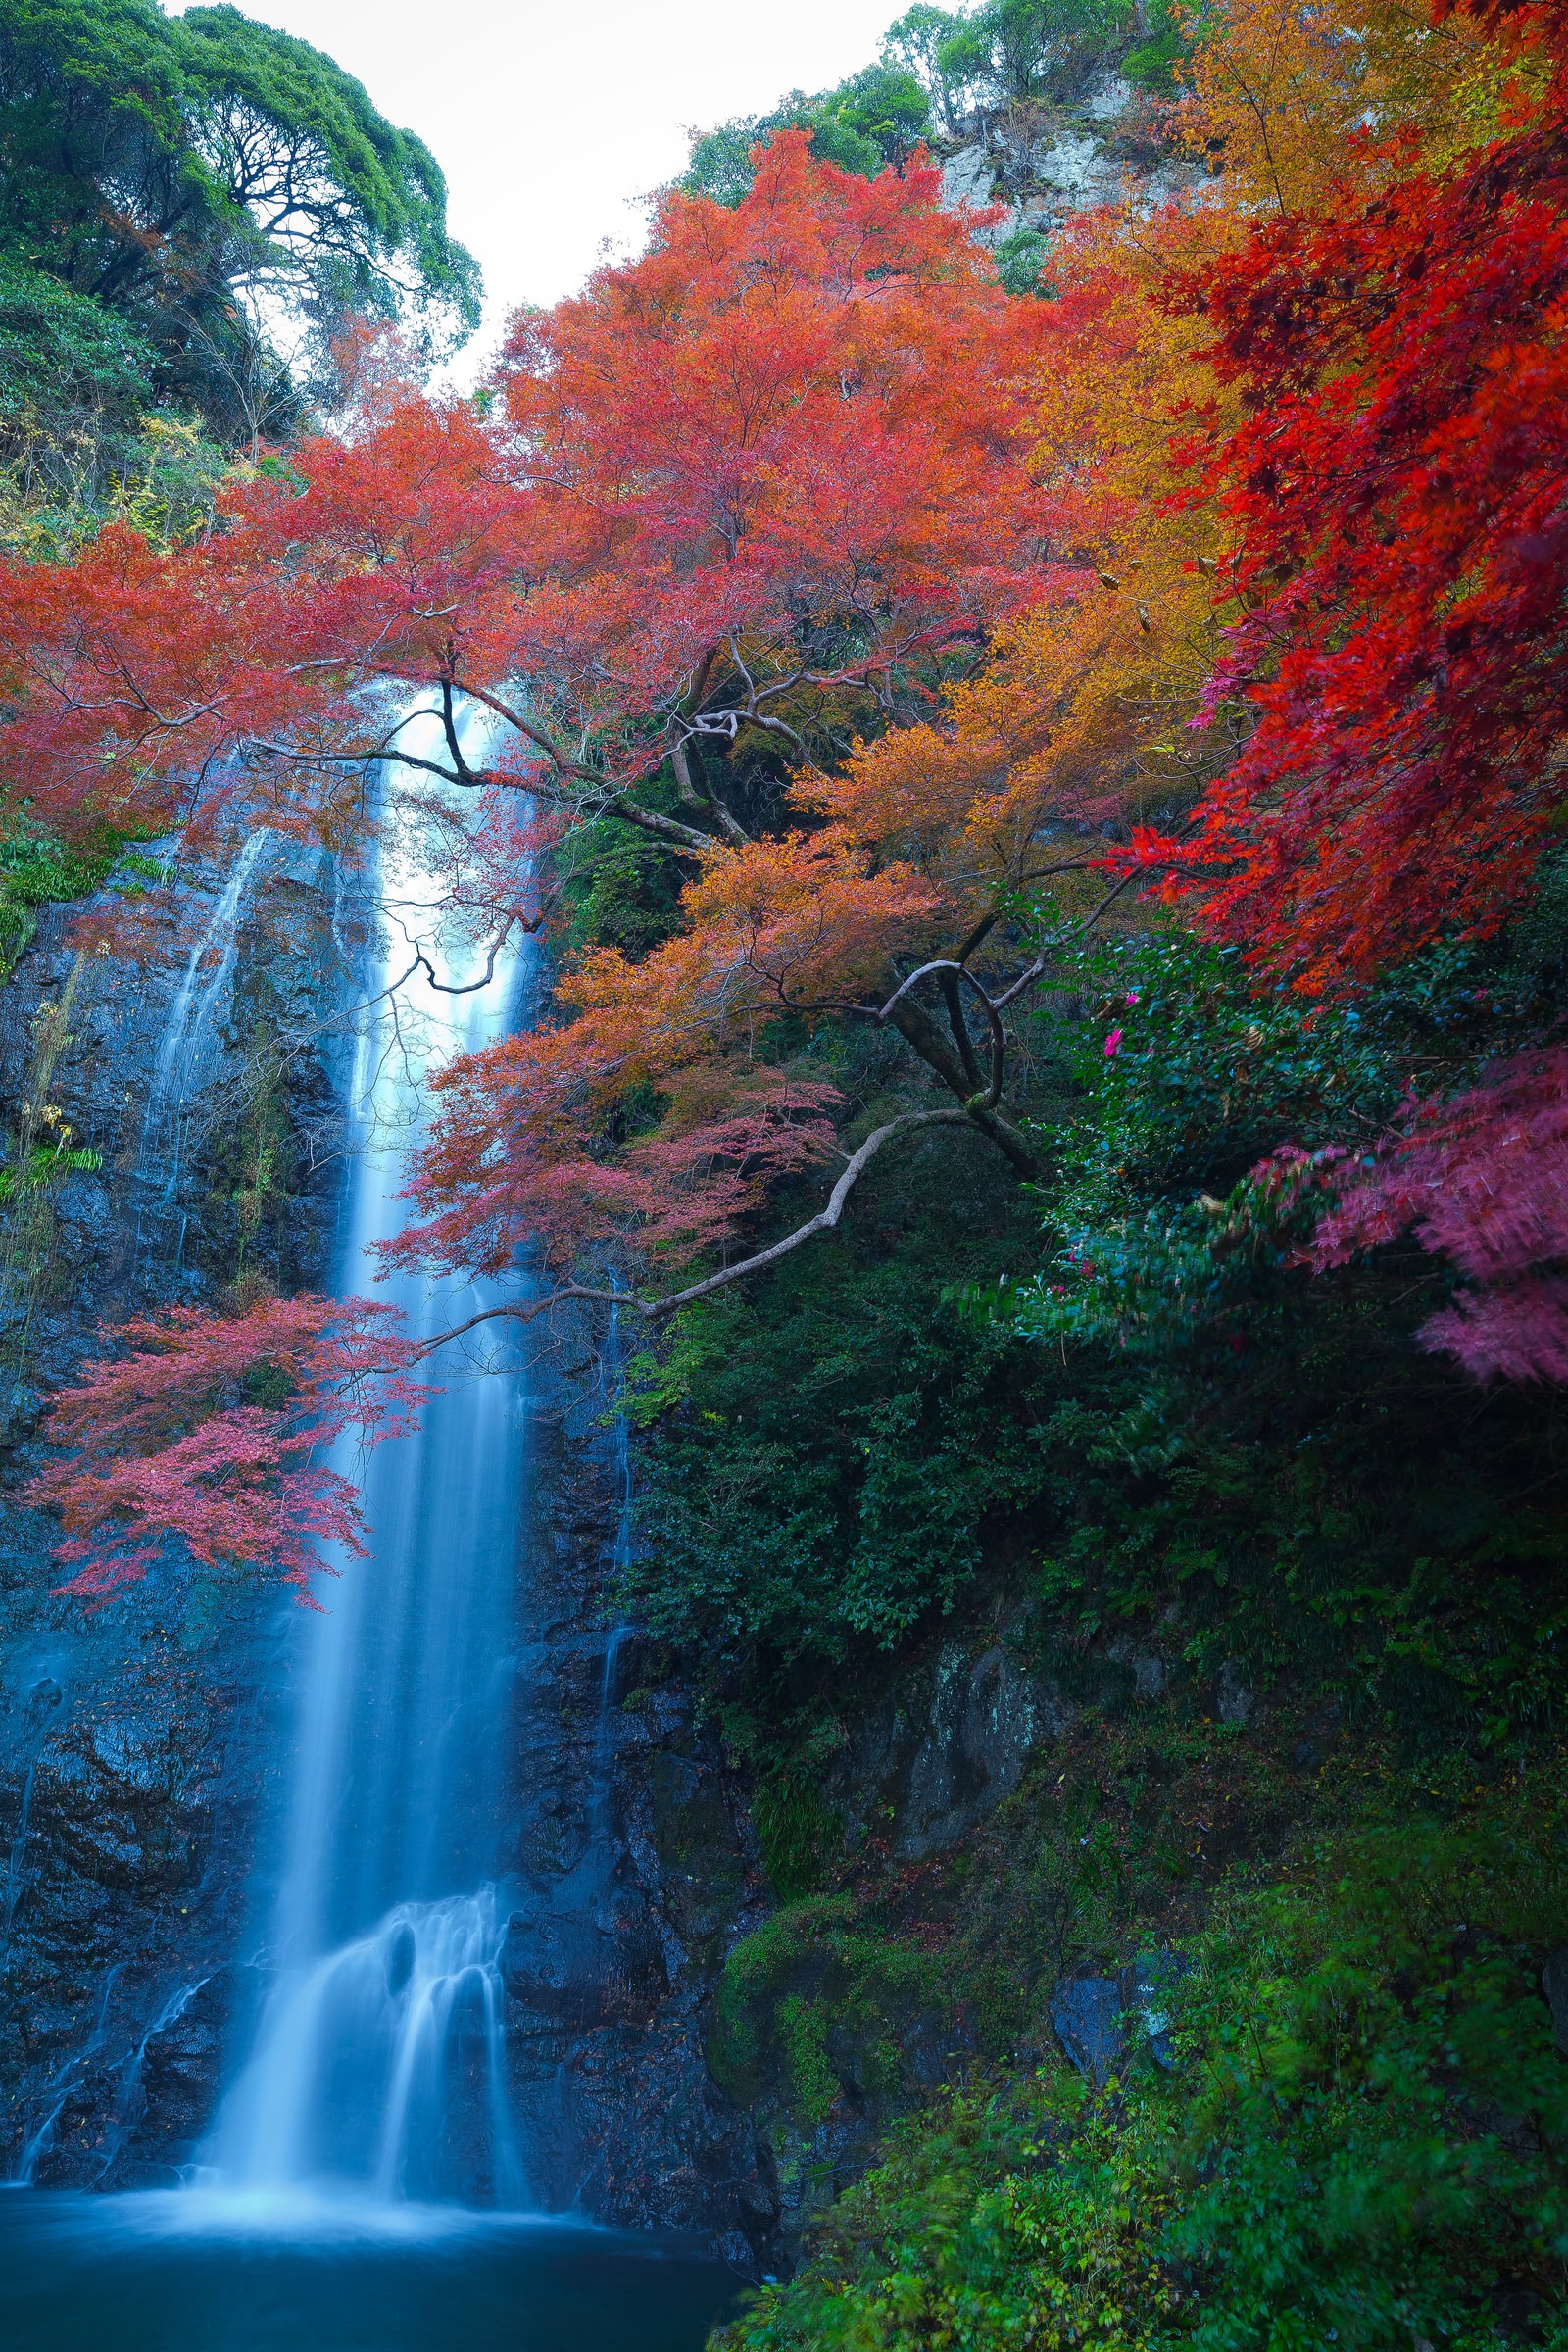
[[379, 2062], [182, 1048], [128, 2100], [612, 1375], [65, 2081]]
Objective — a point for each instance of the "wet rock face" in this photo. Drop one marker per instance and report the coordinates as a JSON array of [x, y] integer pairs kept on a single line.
[[690, 1842], [114, 1799], [945, 1748], [1099, 2021], [665, 2141], [637, 1872], [568, 1976], [987, 1715], [135, 1742]]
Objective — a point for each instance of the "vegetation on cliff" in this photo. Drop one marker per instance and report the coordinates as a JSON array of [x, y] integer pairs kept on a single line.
[[192, 210]]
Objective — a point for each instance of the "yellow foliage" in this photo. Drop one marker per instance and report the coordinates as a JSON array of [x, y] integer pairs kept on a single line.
[[60, 483], [1078, 721], [1278, 92]]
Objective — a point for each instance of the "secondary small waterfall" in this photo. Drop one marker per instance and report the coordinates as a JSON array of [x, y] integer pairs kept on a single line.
[[379, 2061], [186, 1041]]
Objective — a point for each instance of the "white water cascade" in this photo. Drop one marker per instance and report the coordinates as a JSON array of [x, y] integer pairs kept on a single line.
[[187, 1036], [378, 2069]]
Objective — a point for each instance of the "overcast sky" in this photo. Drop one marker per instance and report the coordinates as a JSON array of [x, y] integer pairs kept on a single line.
[[551, 117]]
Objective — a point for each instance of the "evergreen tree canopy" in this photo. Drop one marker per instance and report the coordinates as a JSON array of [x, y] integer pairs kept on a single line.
[[878, 117], [206, 177]]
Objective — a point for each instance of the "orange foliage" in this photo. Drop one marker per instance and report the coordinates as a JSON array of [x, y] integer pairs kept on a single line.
[[767, 472], [1079, 720], [1281, 97], [771, 925], [801, 494]]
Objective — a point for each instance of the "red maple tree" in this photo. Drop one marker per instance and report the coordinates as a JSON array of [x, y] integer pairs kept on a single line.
[[756, 481], [1483, 1179], [1398, 508], [213, 1429], [1397, 502]]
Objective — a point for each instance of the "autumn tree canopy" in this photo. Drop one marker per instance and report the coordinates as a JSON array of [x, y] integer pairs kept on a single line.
[[1394, 512], [920, 626]]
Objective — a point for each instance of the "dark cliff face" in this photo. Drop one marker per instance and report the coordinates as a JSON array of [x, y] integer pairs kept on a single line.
[[137, 1742], [634, 1872]]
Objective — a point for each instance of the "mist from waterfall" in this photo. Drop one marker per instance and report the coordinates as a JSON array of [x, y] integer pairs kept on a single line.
[[378, 2068]]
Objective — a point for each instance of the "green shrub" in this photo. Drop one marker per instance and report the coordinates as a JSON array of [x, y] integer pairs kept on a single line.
[[1020, 261], [1275, 1451], [815, 2001], [36, 870], [1364, 2142], [831, 1448], [800, 1835]]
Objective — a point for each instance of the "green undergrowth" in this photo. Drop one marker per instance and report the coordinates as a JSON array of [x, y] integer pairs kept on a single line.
[[1363, 2141], [45, 1162], [820, 2004], [1116, 1400], [830, 1452], [1287, 1587], [36, 869]]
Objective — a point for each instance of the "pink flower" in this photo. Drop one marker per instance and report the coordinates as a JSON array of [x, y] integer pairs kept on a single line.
[[1133, 995], [1113, 1044]]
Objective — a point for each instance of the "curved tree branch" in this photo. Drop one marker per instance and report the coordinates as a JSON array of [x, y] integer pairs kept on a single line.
[[528, 1311], [951, 972]]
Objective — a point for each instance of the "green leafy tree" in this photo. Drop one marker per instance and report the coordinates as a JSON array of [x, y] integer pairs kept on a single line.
[[200, 178], [1020, 258], [915, 43], [882, 112], [1013, 50], [64, 355], [1165, 42], [877, 118]]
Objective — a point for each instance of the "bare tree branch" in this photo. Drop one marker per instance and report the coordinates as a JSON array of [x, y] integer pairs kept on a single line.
[[528, 1311], [701, 795]]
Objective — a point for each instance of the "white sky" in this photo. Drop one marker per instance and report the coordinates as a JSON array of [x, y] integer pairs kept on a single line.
[[551, 119]]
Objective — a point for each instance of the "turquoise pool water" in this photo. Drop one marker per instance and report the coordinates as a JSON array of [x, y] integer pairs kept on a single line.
[[191, 2273]]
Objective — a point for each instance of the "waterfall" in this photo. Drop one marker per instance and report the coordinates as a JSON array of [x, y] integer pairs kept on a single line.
[[612, 1375], [378, 2068], [63, 2081], [186, 1040]]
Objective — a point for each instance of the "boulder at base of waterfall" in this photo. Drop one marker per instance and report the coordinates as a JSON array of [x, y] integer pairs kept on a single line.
[[1100, 2019]]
